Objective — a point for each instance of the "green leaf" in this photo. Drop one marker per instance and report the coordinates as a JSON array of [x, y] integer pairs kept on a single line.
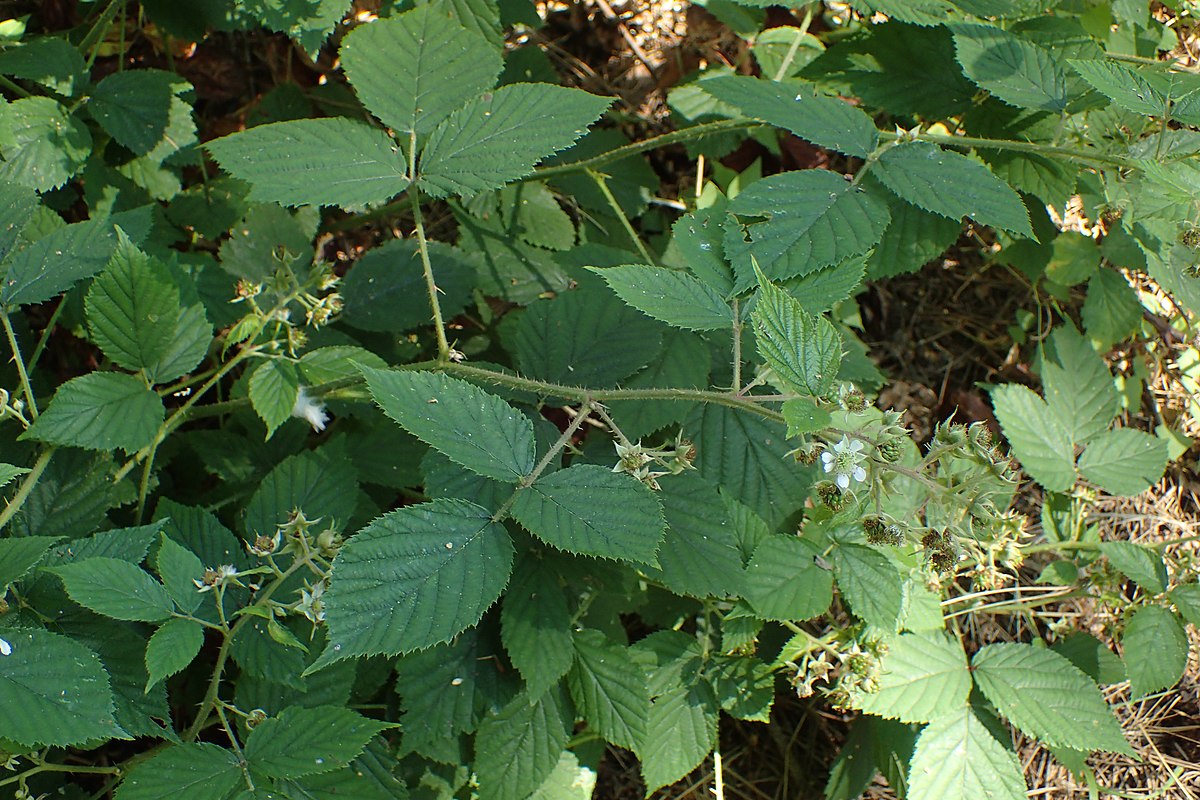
[[1015, 70], [1124, 462], [187, 345], [922, 677], [322, 486], [958, 758], [1124, 85], [699, 238], [803, 350], [56, 262], [179, 568], [50, 61], [699, 556], [447, 688], [501, 136], [285, 746], [584, 337], [100, 411], [1078, 386], [1037, 438], [950, 184], [54, 691], [519, 747], [796, 106], [17, 207], [1046, 696], [329, 162], [1187, 599], [609, 689], [46, 145], [804, 416], [412, 70], [1156, 650], [1112, 310], [415, 577], [474, 429], [871, 584], [1092, 656], [669, 295], [1139, 563], [134, 107], [116, 589], [799, 222], [195, 771], [747, 456], [535, 625], [913, 238], [385, 291], [274, 387], [589, 510], [172, 648], [19, 554], [784, 581], [339, 363], [682, 731], [132, 308]]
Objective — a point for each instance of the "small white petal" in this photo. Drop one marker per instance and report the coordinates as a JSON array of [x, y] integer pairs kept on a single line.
[[5, 648], [860, 474], [309, 409], [828, 459], [843, 481], [856, 445]]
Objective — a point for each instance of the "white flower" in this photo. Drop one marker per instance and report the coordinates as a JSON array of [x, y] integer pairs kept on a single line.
[[5, 648], [311, 410], [845, 462]]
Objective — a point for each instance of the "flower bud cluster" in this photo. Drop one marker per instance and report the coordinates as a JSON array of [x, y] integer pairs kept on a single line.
[[647, 464], [12, 407], [879, 532]]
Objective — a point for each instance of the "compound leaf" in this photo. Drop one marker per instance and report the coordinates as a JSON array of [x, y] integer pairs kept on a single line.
[[609, 689], [682, 730], [54, 691], [958, 758], [535, 626], [952, 185], [1125, 461], [132, 308], [413, 578], [100, 411], [412, 70], [1046, 696], [1015, 70], [172, 648], [591, 510], [799, 222], [802, 349], [922, 677], [56, 262], [134, 107], [328, 162], [668, 295], [200, 771], [500, 136], [796, 106], [474, 429], [518, 748], [1156, 650], [785, 582], [286, 747], [116, 588], [1037, 438]]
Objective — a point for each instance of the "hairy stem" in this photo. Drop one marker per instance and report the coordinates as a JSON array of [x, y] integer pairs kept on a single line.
[[20, 362], [602, 182], [430, 285]]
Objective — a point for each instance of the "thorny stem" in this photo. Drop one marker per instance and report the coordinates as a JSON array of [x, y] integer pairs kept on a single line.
[[602, 182], [737, 346], [551, 454], [20, 362], [430, 286], [27, 485]]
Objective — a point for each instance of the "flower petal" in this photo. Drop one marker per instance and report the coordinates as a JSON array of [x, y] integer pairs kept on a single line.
[[843, 481]]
